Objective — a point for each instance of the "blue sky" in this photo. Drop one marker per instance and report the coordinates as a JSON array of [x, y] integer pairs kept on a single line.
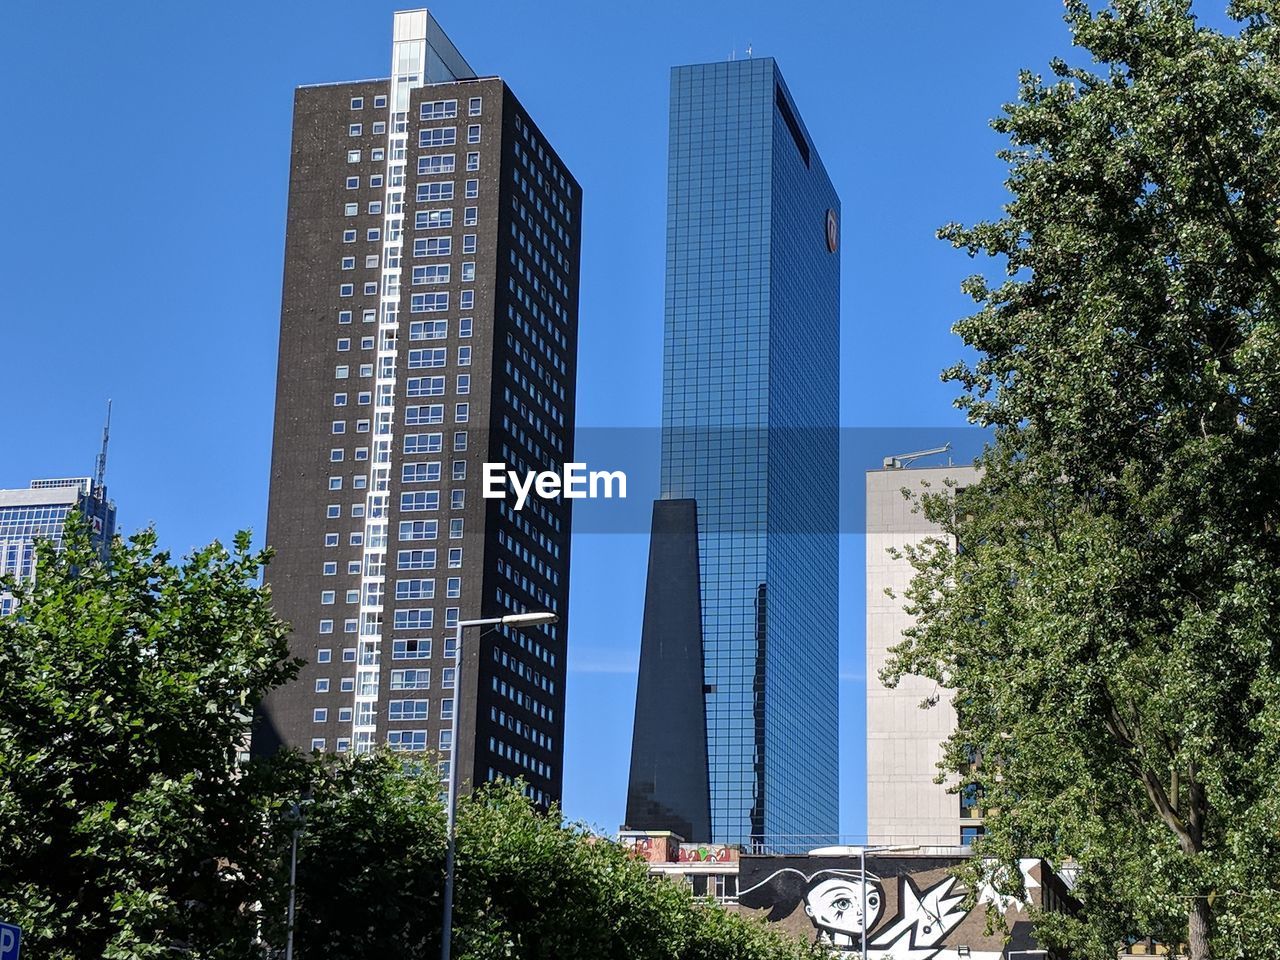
[[144, 195]]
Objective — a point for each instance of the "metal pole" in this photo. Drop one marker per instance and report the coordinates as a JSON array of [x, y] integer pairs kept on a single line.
[[293, 885], [446, 926]]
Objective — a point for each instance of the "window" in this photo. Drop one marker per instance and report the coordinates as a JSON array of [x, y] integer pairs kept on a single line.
[[353, 183], [336, 455], [371, 288], [461, 412], [375, 206], [416, 560], [353, 567], [432, 246], [459, 469], [473, 161], [379, 128], [446, 677], [375, 180], [354, 130], [466, 299], [324, 656], [436, 163], [459, 441], [470, 216], [416, 416], [473, 106], [344, 344], [419, 649], [377, 154], [430, 273], [453, 588], [468, 243], [373, 234], [333, 511], [464, 327], [407, 710], [339, 426], [428, 302], [427, 357], [330, 539], [446, 708], [339, 400], [366, 369], [341, 372], [473, 133], [317, 743], [348, 236], [455, 528], [330, 568], [411, 679], [412, 501], [350, 209], [424, 387], [428, 329], [347, 290], [353, 156], [446, 739], [411, 530], [457, 499], [357, 103], [322, 685], [435, 191], [438, 137], [455, 558], [420, 472], [415, 589], [432, 219], [469, 272], [473, 189], [407, 741], [439, 109], [363, 398], [344, 316], [464, 356], [326, 626], [380, 100], [349, 655]]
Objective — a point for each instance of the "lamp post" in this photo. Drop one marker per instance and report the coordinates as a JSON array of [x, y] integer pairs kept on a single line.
[[514, 620], [295, 817], [862, 855]]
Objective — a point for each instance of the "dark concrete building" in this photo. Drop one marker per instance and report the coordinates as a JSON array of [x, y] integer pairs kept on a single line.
[[428, 326]]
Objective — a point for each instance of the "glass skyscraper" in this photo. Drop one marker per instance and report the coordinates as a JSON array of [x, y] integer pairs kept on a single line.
[[750, 451]]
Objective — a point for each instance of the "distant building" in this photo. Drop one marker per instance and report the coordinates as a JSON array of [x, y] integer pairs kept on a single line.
[[40, 513], [904, 742], [736, 733], [915, 907], [429, 325]]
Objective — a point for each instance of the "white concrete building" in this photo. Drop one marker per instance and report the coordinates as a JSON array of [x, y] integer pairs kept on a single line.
[[904, 805]]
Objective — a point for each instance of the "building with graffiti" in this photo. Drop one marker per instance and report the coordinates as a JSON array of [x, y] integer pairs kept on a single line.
[[910, 906]]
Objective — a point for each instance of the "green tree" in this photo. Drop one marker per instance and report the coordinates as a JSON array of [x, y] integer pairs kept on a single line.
[[126, 691], [1110, 623]]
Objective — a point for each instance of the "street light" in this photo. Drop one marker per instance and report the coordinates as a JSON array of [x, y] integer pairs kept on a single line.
[[513, 620], [862, 854], [297, 818]]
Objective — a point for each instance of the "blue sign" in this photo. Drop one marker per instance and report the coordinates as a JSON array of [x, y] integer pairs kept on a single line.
[[10, 941]]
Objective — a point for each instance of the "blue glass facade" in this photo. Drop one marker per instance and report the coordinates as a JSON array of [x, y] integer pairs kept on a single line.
[[750, 409]]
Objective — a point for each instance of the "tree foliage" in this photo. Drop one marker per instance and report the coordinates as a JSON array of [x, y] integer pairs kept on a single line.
[[129, 830], [1110, 623]]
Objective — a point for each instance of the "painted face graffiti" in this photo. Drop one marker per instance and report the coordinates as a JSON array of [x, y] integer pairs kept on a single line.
[[835, 905]]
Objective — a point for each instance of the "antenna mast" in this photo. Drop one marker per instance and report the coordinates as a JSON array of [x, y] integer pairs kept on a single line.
[[100, 466]]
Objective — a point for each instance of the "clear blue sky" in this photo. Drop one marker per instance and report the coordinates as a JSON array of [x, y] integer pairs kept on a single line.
[[144, 183]]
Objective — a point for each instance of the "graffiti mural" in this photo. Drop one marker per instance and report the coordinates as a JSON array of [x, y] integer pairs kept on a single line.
[[707, 853], [911, 908]]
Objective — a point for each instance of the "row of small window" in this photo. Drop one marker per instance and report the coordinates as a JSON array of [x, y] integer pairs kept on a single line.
[[405, 590], [436, 190], [450, 623], [523, 670], [432, 442], [442, 246], [418, 329], [380, 101], [441, 136], [517, 756], [520, 698], [418, 416], [429, 471], [525, 128], [419, 678], [434, 302], [428, 272], [520, 728], [375, 181], [412, 501], [357, 129], [406, 560], [432, 163], [444, 109], [438, 219], [425, 357], [411, 530], [377, 155], [344, 344], [415, 741]]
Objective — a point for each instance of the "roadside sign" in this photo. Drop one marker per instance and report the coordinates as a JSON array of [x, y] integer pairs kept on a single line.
[[10, 941]]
